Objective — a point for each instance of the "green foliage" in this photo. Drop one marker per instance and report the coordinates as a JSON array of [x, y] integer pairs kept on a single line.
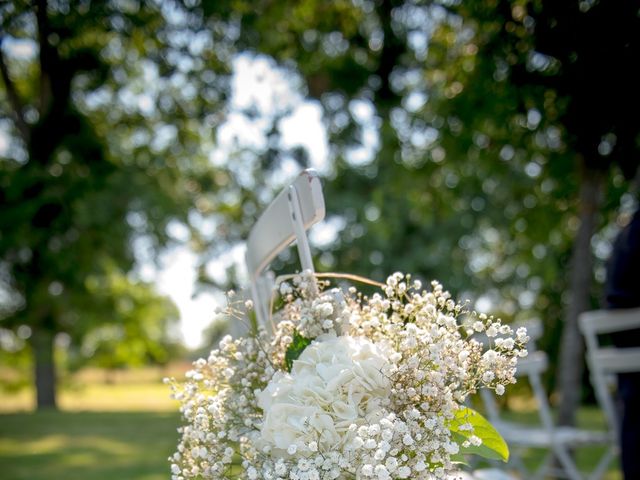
[[489, 116], [296, 348], [15, 360], [493, 446], [486, 116], [136, 332], [101, 117]]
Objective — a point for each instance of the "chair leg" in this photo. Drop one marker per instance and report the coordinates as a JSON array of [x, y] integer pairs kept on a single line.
[[567, 462]]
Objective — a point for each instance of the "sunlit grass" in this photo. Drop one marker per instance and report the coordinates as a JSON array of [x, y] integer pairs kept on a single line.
[[126, 429], [86, 445], [126, 445], [104, 398], [97, 390], [114, 425]]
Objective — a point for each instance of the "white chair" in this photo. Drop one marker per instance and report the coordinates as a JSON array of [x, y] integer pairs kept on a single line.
[[287, 218], [558, 441], [606, 361]]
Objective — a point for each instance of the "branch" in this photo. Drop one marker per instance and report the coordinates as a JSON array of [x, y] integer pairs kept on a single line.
[[14, 98]]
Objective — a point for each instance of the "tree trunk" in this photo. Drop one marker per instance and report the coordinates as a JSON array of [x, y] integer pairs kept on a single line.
[[580, 280], [44, 368]]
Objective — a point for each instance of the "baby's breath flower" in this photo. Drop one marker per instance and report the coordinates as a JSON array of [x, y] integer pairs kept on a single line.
[[378, 405]]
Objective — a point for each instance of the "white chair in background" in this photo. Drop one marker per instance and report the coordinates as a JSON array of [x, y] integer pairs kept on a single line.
[[606, 361], [286, 219], [558, 441]]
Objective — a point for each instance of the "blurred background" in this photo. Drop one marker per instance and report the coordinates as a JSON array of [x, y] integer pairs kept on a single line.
[[491, 144]]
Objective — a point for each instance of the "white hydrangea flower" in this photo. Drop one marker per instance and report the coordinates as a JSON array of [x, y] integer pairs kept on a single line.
[[336, 382]]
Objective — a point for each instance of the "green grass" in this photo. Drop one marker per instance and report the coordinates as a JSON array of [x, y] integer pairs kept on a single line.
[[87, 445], [121, 430], [134, 445], [98, 398], [126, 430], [96, 390]]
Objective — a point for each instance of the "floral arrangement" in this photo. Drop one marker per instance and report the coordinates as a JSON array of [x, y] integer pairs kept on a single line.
[[347, 386]]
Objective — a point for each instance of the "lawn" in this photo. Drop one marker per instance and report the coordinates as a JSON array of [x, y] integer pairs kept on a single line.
[[118, 426], [96, 390], [115, 445], [131, 397], [125, 430], [86, 445]]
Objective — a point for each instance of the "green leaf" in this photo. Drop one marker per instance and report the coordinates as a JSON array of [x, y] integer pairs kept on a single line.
[[493, 445], [295, 349]]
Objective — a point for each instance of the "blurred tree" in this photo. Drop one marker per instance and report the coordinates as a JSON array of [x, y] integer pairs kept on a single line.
[[102, 148], [15, 360], [528, 105], [568, 97], [142, 330]]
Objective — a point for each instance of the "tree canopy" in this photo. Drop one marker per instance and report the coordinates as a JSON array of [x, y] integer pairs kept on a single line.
[[487, 144], [495, 128], [105, 111]]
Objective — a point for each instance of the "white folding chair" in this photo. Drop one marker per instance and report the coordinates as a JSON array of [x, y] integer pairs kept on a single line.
[[558, 441], [287, 218], [605, 362]]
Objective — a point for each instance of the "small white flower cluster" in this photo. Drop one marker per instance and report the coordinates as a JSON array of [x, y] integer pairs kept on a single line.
[[349, 387], [313, 312], [218, 405]]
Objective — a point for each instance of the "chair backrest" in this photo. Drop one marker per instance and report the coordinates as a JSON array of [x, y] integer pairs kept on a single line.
[[290, 214], [607, 361]]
